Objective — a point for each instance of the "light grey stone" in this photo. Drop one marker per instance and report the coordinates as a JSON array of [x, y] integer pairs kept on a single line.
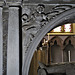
[[13, 42], [1, 41], [14, 0]]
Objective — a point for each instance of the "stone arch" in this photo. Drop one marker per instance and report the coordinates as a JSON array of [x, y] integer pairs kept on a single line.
[[72, 38], [56, 38], [64, 17], [69, 46], [56, 49]]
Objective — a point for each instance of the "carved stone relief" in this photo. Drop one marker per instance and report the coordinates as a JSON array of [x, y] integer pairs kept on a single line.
[[37, 16], [61, 19]]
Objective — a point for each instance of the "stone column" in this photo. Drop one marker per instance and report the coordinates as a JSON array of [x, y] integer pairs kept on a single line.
[[13, 42], [73, 27], [1, 42]]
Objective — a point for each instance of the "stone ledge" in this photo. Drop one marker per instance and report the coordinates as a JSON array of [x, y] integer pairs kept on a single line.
[[14, 0]]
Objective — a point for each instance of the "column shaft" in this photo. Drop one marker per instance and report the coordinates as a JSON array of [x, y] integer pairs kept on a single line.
[[13, 42]]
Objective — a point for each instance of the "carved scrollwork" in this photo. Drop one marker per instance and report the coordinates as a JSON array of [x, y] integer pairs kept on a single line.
[[24, 18], [40, 8], [33, 22]]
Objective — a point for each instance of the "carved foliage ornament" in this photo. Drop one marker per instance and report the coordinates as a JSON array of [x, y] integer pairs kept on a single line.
[[32, 23]]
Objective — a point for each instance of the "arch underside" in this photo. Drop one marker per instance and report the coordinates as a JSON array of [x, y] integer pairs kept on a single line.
[[65, 17]]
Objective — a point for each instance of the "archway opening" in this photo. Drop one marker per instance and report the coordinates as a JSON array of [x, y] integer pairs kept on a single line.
[[55, 49]]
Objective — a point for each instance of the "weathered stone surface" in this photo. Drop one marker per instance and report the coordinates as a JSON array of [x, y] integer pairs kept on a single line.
[[70, 69], [14, 0], [50, 1], [25, 0], [13, 42], [1, 0], [5, 16], [42, 72], [1, 41]]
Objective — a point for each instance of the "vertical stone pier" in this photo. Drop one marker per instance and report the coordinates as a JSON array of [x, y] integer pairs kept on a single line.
[[13, 42], [1, 42]]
